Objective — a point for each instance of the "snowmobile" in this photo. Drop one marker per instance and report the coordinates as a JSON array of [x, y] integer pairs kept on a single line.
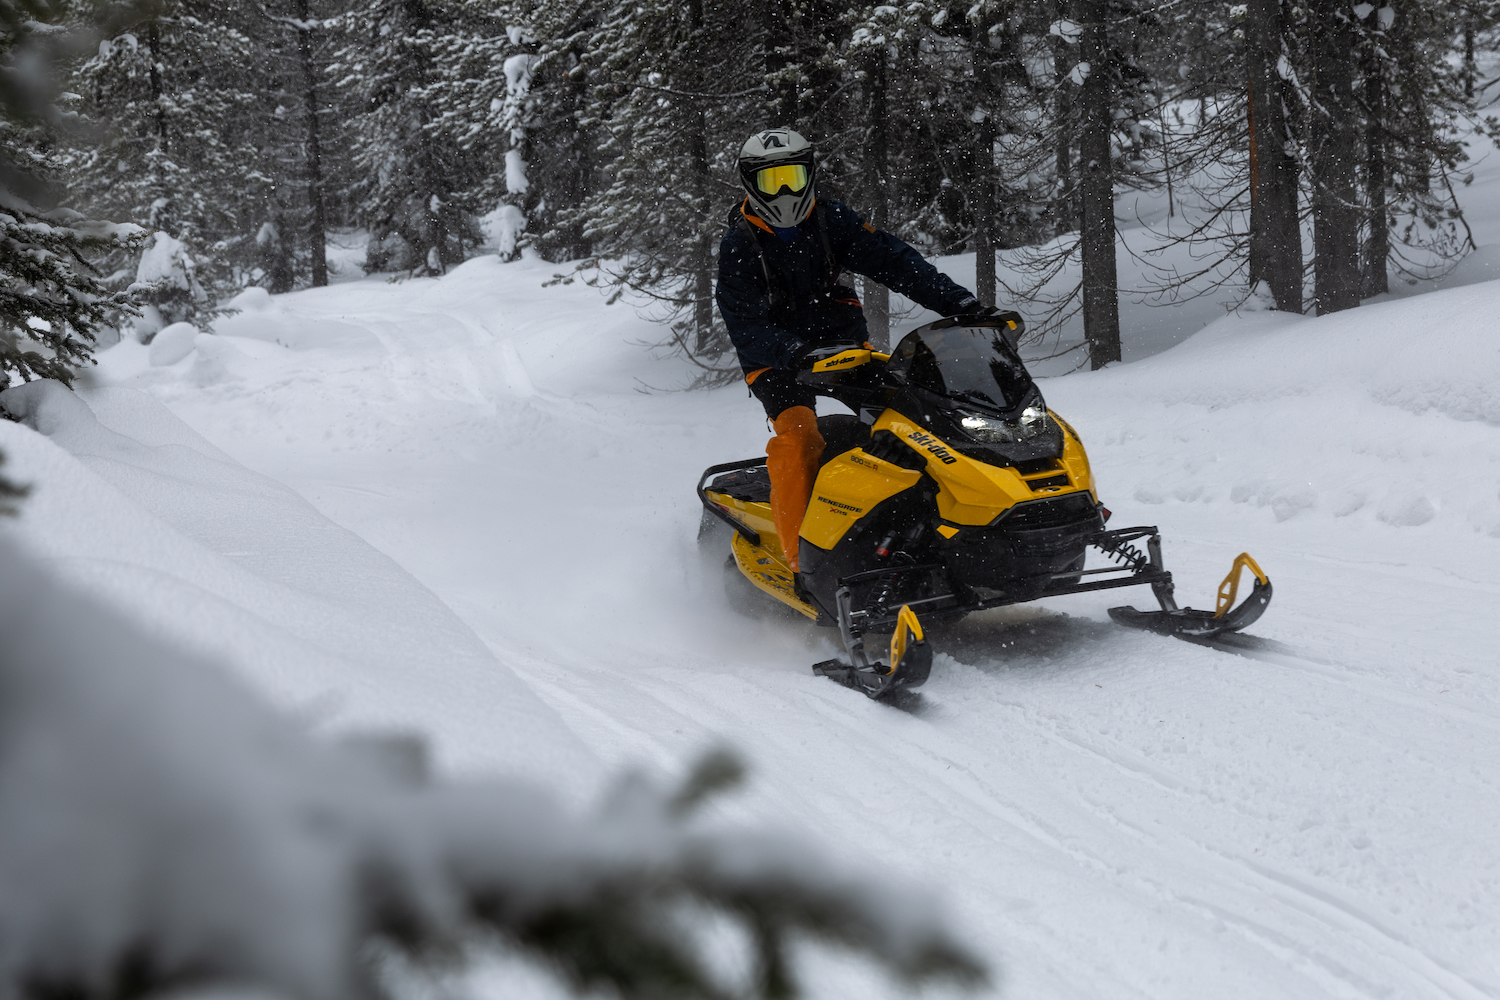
[[951, 488]]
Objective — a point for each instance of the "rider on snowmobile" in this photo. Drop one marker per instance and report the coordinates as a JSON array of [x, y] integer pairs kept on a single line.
[[780, 296]]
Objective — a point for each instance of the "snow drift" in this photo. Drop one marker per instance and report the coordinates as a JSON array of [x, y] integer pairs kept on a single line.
[[1116, 814], [132, 505], [164, 827]]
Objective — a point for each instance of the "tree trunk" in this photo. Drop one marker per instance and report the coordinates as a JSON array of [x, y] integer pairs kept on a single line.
[[1101, 297], [982, 177], [580, 166], [276, 258], [877, 298], [703, 251], [983, 207], [877, 302], [984, 251], [817, 29], [1377, 246], [1275, 228], [153, 45], [703, 296], [780, 45], [1471, 70], [1066, 209], [1336, 277], [318, 224]]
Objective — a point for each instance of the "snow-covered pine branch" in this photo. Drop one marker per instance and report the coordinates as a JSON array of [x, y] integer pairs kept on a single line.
[[53, 302]]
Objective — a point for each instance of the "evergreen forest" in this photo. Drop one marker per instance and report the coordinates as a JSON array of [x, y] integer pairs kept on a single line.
[[353, 602], [179, 150]]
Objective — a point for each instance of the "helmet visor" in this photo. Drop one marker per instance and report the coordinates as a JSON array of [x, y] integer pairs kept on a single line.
[[769, 180]]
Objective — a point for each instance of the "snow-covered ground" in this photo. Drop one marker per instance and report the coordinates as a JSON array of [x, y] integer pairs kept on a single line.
[[464, 506]]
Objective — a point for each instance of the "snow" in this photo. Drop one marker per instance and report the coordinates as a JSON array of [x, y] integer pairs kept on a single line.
[[517, 70], [503, 228], [1111, 813], [515, 173], [462, 506], [162, 262], [1068, 31], [138, 509], [159, 818], [172, 344]]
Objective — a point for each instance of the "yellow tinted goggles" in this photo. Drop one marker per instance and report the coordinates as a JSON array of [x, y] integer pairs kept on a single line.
[[772, 179]]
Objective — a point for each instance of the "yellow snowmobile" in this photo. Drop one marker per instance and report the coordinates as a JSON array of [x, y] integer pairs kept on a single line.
[[952, 489]]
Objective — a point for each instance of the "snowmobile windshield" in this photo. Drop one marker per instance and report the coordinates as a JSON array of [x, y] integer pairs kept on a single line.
[[973, 366]]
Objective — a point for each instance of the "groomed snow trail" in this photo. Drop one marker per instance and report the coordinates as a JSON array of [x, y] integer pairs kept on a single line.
[[1112, 814]]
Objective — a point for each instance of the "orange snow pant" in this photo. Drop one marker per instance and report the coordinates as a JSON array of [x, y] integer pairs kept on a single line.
[[792, 460]]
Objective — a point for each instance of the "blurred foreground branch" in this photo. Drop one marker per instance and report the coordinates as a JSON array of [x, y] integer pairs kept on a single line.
[[164, 829]]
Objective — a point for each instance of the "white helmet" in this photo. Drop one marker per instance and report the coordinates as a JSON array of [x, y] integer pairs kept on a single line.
[[778, 173]]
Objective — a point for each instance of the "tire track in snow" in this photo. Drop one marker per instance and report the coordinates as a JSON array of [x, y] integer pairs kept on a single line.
[[1325, 908], [939, 771], [1281, 655]]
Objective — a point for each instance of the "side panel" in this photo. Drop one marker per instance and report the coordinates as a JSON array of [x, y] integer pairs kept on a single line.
[[1075, 460], [847, 489]]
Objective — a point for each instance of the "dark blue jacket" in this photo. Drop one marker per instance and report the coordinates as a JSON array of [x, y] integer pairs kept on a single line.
[[817, 312]]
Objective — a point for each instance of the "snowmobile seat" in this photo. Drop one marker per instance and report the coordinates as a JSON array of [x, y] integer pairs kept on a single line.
[[750, 485]]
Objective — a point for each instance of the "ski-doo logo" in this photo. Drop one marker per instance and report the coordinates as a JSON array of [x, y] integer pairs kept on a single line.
[[933, 446], [834, 362]]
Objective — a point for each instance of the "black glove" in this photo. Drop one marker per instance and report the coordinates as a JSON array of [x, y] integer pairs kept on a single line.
[[971, 309]]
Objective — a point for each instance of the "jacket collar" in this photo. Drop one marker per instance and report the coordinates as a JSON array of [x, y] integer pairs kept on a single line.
[[757, 221]]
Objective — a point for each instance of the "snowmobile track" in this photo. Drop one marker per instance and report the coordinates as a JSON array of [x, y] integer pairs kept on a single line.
[[1280, 654]]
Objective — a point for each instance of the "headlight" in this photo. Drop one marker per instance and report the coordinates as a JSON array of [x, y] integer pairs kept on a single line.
[[988, 430]]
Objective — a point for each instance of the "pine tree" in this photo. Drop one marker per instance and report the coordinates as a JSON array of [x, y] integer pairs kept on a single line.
[[311, 44], [1413, 106], [53, 300], [673, 98], [289, 248], [178, 95], [1096, 189], [564, 146], [476, 100], [1108, 119], [883, 42], [1475, 17], [1275, 245], [412, 176], [1332, 137], [948, 98]]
